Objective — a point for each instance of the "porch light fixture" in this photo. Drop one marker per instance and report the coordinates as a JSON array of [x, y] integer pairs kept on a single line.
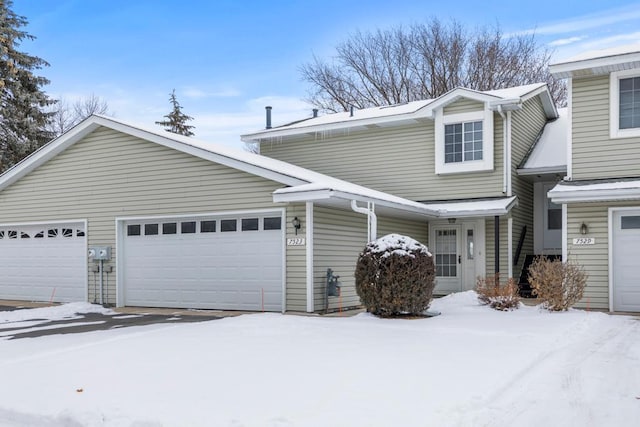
[[584, 229], [451, 220], [296, 224]]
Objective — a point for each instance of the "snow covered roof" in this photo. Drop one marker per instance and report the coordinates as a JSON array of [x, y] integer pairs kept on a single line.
[[595, 190], [596, 62], [442, 209], [276, 170], [474, 208], [549, 154], [404, 113]]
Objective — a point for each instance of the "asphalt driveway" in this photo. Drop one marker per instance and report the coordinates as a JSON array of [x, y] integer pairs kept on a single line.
[[88, 322]]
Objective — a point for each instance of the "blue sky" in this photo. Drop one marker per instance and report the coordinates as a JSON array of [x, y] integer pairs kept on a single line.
[[228, 59]]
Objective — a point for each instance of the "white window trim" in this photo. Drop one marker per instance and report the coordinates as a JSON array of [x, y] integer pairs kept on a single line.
[[614, 105], [486, 164]]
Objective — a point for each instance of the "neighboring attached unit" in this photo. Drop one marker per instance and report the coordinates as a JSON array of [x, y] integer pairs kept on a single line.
[[600, 197]]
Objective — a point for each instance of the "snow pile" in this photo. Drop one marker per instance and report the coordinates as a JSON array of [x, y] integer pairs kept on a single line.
[[58, 312], [397, 244], [471, 366]]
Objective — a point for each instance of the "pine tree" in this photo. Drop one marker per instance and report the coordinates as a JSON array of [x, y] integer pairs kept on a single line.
[[23, 103], [176, 120]]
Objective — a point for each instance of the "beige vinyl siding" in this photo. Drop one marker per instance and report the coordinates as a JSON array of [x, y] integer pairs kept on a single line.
[[595, 155], [296, 274], [490, 246], [109, 174], [339, 237], [397, 160], [526, 125], [463, 106], [418, 230], [594, 258]]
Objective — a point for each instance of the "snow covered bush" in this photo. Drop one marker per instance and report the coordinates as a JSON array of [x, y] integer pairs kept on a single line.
[[559, 285], [501, 296], [395, 276]]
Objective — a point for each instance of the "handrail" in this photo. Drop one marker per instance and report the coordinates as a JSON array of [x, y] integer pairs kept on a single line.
[[523, 233]]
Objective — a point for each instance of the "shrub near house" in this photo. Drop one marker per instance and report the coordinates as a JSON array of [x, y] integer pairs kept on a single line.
[[395, 276]]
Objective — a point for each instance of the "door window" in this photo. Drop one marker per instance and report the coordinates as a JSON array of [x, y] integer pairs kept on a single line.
[[446, 253]]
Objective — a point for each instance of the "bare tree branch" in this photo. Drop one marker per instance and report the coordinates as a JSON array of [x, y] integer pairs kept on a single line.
[[425, 61]]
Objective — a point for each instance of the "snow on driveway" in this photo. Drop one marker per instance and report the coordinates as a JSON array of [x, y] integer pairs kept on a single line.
[[471, 366]]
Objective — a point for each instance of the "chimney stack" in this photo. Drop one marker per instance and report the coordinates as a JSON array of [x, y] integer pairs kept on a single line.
[[315, 113], [268, 110], [352, 111]]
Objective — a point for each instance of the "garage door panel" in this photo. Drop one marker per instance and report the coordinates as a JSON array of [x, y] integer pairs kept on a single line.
[[43, 262], [626, 268], [219, 270]]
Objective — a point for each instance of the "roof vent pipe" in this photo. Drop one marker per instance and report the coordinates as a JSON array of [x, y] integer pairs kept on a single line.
[[315, 113], [268, 110], [351, 111]]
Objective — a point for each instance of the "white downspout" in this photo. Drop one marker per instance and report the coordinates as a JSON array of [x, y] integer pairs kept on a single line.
[[505, 158], [507, 186], [309, 257], [372, 220]]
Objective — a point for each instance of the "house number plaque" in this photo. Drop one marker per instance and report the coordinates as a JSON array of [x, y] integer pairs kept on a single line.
[[296, 241], [580, 241]]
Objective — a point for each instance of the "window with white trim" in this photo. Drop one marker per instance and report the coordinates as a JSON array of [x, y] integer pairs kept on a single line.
[[624, 104], [464, 142]]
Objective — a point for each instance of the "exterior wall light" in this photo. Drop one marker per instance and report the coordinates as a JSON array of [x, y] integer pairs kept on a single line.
[[451, 220], [584, 229], [296, 224]]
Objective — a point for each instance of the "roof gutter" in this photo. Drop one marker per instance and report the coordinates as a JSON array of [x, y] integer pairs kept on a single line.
[[600, 195]]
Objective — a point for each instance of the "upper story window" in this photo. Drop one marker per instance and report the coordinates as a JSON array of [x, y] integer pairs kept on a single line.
[[464, 142], [629, 103], [625, 104]]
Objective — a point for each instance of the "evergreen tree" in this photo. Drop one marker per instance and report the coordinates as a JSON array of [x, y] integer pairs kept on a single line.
[[23, 103], [176, 120]]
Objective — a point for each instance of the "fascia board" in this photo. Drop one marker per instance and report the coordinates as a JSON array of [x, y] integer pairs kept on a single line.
[[302, 196], [594, 195], [567, 69], [546, 99], [259, 137], [324, 194], [542, 171]]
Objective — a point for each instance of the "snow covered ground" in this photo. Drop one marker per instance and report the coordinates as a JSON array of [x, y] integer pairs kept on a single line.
[[471, 366]]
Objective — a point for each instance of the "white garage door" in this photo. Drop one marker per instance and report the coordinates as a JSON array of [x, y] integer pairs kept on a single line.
[[43, 262], [228, 263], [626, 261]]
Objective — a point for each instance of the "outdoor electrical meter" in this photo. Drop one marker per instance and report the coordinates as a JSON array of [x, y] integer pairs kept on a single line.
[[333, 285], [100, 253]]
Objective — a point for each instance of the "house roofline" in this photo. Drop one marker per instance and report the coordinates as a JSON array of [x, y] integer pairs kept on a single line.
[[595, 66], [426, 112]]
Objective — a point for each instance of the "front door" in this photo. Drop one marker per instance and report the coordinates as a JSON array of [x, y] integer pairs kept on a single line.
[[458, 251], [448, 258]]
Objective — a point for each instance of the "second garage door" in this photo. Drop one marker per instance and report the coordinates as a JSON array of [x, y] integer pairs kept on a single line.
[[43, 262], [625, 256], [215, 262]]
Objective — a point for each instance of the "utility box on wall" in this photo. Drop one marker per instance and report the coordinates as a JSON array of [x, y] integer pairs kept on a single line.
[[100, 253]]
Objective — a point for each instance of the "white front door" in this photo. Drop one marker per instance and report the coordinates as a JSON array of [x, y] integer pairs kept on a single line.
[[625, 256], [448, 259], [458, 251]]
